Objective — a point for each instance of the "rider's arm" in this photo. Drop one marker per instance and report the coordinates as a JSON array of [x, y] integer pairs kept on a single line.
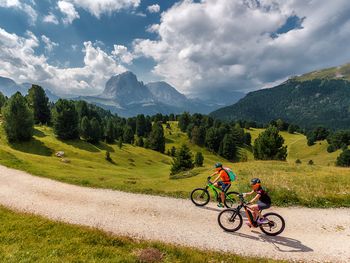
[[255, 198], [216, 179], [249, 193]]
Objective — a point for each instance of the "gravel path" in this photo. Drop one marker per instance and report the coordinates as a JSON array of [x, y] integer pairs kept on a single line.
[[310, 235]]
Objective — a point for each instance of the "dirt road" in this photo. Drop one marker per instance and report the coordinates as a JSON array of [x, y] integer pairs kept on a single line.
[[310, 235]]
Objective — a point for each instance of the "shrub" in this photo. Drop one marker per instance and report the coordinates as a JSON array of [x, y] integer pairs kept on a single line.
[[198, 159], [311, 162], [108, 156], [344, 159], [297, 161]]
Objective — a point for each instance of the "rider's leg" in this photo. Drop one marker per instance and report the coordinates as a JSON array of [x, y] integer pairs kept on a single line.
[[255, 210]]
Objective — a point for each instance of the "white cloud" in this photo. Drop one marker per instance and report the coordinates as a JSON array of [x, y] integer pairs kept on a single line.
[[49, 45], [153, 28], [68, 10], [26, 8], [99, 7], [19, 62], [51, 18], [228, 44], [121, 52], [153, 8]]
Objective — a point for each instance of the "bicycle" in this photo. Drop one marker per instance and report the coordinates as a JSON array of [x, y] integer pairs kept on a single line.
[[201, 196], [231, 220]]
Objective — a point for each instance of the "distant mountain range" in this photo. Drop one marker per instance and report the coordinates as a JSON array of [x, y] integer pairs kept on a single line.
[[127, 96], [319, 98], [8, 87]]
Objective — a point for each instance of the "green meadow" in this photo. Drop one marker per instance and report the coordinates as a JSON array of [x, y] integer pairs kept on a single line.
[[29, 238], [136, 169]]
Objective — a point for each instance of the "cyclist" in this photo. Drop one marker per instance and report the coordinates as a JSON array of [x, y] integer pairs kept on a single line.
[[264, 200], [224, 184]]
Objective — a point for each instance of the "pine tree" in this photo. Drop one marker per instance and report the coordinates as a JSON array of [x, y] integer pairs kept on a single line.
[[247, 138], [140, 142], [39, 103], [140, 125], [269, 145], [198, 159], [156, 138], [198, 135], [18, 119], [183, 160], [344, 159], [173, 151], [95, 130], [2, 100], [85, 129], [120, 142], [229, 148], [110, 131], [65, 120], [212, 139], [184, 121], [128, 135]]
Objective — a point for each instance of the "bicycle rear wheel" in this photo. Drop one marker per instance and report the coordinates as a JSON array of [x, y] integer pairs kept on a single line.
[[231, 199], [230, 220], [274, 226], [200, 196]]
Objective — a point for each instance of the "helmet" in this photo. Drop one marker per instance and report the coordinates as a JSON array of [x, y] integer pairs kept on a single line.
[[218, 165], [255, 183]]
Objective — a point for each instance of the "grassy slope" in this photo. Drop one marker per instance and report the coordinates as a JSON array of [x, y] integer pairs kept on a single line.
[[28, 238], [335, 72], [140, 170]]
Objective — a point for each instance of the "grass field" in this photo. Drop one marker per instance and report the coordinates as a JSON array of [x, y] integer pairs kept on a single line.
[[136, 169], [28, 238]]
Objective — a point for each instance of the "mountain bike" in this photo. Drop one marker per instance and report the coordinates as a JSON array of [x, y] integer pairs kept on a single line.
[[201, 196], [231, 220]]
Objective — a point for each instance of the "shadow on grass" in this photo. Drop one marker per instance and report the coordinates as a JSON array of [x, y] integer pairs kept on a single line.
[[39, 133], [89, 147], [33, 146]]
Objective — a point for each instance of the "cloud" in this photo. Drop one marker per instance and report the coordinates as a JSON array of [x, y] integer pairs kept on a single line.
[[51, 18], [26, 8], [153, 8], [19, 61], [99, 7], [49, 45], [236, 45], [68, 10], [121, 52]]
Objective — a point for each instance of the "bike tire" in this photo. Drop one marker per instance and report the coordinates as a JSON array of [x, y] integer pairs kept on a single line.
[[225, 220], [272, 223], [203, 194], [232, 200]]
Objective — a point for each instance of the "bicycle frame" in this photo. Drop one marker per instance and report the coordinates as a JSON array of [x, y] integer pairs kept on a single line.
[[216, 191], [247, 211]]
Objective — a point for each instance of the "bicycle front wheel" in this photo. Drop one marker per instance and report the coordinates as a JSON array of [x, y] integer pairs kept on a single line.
[[274, 226], [230, 220], [231, 199], [200, 197]]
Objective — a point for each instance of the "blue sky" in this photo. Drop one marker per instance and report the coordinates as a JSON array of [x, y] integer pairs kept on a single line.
[[200, 47]]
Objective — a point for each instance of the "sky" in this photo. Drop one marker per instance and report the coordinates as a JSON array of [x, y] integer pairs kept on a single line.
[[200, 47]]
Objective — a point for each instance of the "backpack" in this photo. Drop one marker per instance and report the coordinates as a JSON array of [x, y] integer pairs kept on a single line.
[[230, 173]]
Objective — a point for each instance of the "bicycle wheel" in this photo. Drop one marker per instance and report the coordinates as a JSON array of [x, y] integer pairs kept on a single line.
[[200, 196], [230, 220], [231, 199], [274, 226]]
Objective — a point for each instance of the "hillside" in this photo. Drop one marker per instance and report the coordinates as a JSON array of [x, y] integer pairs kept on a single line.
[[319, 98], [136, 169]]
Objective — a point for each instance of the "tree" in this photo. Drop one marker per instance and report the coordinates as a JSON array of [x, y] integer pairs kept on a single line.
[[110, 131], [228, 147], [183, 160], [2, 100], [85, 128], [184, 121], [140, 142], [269, 145], [156, 138], [173, 151], [292, 128], [247, 138], [198, 135], [128, 135], [39, 103], [120, 142], [198, 159], [140, 125], [18, 119], [65, 120], [344, 159], [95, 131], [212, 139]]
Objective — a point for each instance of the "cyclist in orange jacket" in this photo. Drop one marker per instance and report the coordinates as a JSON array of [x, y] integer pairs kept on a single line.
[[222, 181]]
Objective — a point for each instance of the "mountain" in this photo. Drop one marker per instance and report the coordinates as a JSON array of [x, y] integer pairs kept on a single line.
[[319, 98], [126, 96], [8, 87]]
